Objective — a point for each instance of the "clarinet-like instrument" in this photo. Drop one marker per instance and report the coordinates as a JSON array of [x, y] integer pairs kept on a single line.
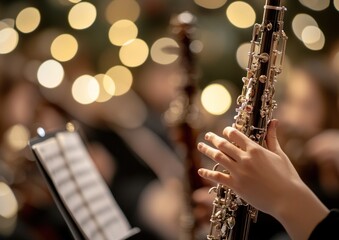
[[231, 216], [183, 116]]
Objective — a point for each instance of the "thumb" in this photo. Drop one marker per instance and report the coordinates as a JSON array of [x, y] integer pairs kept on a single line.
[[271, 138]]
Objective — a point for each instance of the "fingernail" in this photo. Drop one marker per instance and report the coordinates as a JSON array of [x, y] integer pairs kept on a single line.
[[200, 145], [207, 136], [200, 171]]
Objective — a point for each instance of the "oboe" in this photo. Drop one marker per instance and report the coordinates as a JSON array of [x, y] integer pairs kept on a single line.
[[231, 216], [184, 116]]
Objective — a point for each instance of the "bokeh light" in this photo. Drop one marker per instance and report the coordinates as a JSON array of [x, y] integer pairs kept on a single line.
[[9, 204], [336, 4], [122, 9], [216, 99], [64, 47], [85, 89], [50, 74], [82, 15], [9, 39], [242, 55], [313, 38], [74, 1], [107, 87], [300, 21], [162, 51], [122, 31], [210, 4], [17, 137], [196, 46], [28, 20], [134, 53], [316, 5], [241, 14], [122, 78], [311, 34]]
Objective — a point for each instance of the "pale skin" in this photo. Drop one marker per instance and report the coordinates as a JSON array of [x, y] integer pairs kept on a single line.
[[265, 178]]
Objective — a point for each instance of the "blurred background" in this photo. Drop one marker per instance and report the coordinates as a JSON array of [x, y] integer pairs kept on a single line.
[[116, 64]]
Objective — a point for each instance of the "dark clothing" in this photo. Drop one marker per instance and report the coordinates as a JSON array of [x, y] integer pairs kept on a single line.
[[328, 228]]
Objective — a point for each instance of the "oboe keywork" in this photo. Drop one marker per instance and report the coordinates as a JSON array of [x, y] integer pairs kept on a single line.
[[231, 216]]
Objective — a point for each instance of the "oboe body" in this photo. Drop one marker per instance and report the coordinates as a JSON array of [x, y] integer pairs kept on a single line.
[[183, 116], [231, 216]]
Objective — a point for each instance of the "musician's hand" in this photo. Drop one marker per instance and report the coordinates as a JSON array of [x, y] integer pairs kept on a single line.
[[257, 174], [265, 178]]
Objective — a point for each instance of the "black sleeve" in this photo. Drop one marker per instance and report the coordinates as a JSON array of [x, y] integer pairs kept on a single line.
[[328, 228]]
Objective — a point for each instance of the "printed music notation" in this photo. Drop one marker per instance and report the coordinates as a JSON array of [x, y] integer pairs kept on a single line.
[[80, 187]]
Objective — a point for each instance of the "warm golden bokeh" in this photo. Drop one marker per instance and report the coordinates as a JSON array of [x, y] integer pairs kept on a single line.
[[210, 4], [164, 51], [241, 14], [122, 78], [134, 53], [216, 99], [9, 39], [122, 31], [122, 9], [28, 20], [64, 47], [50, 74], [107, 87], [82, 15], [85, 89]]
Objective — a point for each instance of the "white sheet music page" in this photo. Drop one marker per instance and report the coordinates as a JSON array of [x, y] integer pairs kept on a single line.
[[82, 188]]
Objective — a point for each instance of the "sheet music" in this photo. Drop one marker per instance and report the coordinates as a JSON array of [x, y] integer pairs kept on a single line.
[[81, 187]]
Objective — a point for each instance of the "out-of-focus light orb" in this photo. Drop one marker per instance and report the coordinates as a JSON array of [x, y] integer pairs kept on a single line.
[[50, 74], [216, 99], [85, 89], [242, 55], [122, 31], [313, 38], [107, 87], [241, 14], [310, 34], [316, 5], [122, 9], [300, 21], [82, 15], [9, 39], [196, 46], [134, 53], [17, 137], [336, 4], [64, 47], [9, 205], [74, 1], [122, 78], [165, 51], [210, 4], [28, 20]]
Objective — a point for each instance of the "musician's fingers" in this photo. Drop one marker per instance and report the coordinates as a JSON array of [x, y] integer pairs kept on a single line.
[[217, 155], [224, 145], [236, 137], [216, 176]]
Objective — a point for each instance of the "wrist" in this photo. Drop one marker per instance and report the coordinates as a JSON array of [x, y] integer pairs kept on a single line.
[[299, 211]]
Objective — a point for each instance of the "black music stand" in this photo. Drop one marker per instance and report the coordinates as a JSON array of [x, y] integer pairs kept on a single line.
[[77, 188]]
